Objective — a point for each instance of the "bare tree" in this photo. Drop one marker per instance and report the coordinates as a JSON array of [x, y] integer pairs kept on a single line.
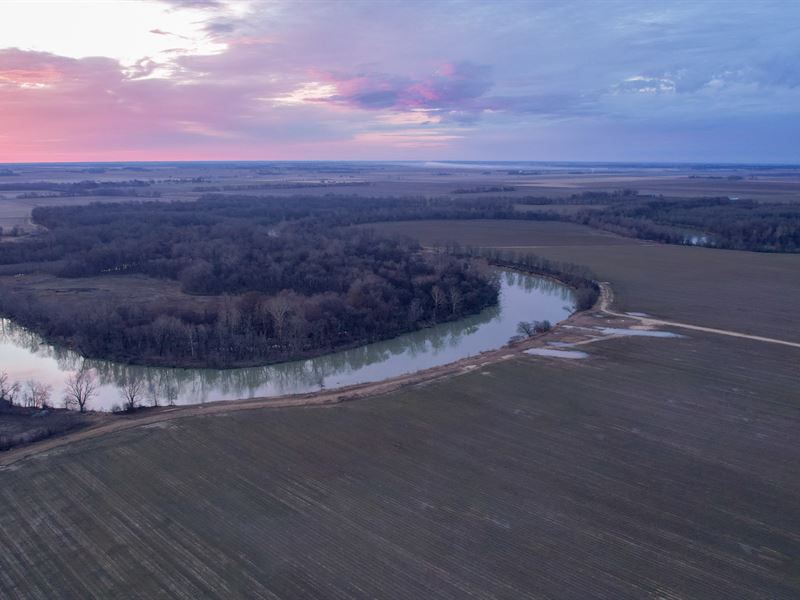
[[155, 387], [131, 391], [415, 311], [36, 394], [455, 300], [526, 328], [278, 308], [8, 390], [529, 328], [439, 298], [80, 388]]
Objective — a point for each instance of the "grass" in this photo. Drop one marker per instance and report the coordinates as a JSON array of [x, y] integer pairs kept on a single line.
[[532, 478], [21, 425], [111, 290], [562, 209], [765, 188], [750, 292], [505, 233]]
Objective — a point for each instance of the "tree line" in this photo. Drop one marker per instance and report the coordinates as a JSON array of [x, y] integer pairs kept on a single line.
[[579, 278], [715, 222]]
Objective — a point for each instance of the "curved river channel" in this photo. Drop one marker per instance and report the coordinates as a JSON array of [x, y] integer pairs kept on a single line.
[[24, 356]]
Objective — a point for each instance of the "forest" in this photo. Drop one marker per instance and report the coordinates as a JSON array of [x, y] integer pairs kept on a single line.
[[288, 282], [724, 223], [716, 222]]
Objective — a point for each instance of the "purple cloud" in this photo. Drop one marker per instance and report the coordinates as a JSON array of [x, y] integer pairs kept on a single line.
[[454, 87]]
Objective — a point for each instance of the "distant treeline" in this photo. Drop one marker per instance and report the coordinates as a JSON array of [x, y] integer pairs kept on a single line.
[[288, 282], [241, 187], [483, 189], [54, 189], [623, 195], [100, 192], [715, 222], [70, 187]]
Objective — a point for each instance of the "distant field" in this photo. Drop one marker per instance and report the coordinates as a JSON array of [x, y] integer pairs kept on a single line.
[[17, 211], [562, 209], [106, 290], [766, 188], [751, 292], [653, 469], [110, 288], [505, 233]]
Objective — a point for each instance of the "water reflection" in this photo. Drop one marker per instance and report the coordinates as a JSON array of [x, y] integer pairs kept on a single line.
[[522, 298]]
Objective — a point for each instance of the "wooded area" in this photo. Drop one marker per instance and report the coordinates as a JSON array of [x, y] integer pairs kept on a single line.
[[715, 222], [288, 281]]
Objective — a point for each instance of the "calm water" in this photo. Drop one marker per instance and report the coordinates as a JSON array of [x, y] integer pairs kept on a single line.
[[522, 298]]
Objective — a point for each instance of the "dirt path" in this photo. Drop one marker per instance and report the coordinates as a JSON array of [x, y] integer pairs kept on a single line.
[[107, 423], [607, 297]]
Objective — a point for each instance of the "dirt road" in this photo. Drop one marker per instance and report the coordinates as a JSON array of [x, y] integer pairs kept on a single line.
[[607, 297]]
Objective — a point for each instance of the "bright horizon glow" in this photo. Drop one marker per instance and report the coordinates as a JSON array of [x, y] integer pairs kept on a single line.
[[151, 80], [125, 30]]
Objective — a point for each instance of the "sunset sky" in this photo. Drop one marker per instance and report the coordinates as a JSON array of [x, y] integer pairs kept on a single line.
[[238, 79]]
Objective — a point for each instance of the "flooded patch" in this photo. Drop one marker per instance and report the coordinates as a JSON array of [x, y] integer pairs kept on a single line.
[[637, 314], [638, 332], [556, 353]]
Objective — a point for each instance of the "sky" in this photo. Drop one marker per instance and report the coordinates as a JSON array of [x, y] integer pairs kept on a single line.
[[694, 81]]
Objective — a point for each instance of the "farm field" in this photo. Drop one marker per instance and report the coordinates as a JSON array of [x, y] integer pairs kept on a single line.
[[751, 292], [504, 233], [782, 188], [561, 209], [654, 468]]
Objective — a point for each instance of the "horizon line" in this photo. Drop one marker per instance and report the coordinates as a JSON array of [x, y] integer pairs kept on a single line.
[[409, 161]]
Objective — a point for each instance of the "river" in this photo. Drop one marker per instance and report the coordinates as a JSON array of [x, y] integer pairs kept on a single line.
[[25, 356]]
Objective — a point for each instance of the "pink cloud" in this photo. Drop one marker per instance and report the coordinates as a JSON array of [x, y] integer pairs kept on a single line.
[[453, 87], [57, 108]]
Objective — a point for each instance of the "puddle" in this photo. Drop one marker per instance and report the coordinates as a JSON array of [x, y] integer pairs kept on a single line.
[[638, 332], [557, 353], [637, 314]]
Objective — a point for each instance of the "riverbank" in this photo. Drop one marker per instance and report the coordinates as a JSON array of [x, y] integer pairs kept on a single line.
[[579, 329], [523, 298]]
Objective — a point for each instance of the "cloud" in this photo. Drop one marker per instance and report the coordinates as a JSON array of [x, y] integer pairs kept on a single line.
[[230, 78], [195, 3], [641, 84], [454, 86]]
